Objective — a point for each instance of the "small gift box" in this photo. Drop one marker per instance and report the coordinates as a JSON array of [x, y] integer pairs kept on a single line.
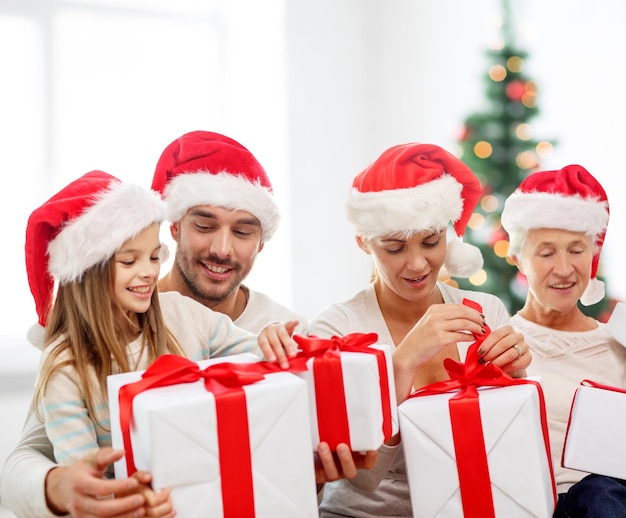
[[352, 395], [477, 445], [594, 441], [229, 438]]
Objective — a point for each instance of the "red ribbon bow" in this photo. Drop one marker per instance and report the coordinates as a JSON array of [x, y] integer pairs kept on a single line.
[[332, 414], [315, 346], [465, 420], [225, 382]]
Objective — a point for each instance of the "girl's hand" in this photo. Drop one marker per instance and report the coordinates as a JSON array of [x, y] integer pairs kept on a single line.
[[276, 343]]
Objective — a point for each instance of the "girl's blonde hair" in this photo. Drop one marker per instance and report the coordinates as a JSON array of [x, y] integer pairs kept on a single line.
[[83, 330]]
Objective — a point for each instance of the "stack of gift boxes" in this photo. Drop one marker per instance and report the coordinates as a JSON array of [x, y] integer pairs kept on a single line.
[[233, 437]]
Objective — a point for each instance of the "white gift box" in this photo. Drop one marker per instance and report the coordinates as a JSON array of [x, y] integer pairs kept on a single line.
[[175, 438], [363, 397], [522, 483], [595, 434], [616, 325]]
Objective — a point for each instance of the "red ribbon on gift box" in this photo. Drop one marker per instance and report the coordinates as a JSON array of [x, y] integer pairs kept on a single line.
[[332, 414], [225, 382], [595, 384], [465, 420]]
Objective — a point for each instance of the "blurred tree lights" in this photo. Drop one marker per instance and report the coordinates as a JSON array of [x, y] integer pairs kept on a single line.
[[499, 145]]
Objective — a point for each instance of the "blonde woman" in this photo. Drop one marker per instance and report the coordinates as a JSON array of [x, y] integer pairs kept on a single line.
[[401, 206]]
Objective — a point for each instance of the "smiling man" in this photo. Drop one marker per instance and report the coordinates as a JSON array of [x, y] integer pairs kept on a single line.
[[222, 211]]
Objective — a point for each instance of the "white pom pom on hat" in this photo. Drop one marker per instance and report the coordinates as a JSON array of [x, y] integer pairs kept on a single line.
[[569, 199], [414, 187]]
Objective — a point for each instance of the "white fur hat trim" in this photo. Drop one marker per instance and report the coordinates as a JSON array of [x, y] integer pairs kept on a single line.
[[526, 211], [118, 214], [428, 206], [223, 189]]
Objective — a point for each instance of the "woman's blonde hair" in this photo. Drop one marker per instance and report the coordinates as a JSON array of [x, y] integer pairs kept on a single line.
[[83, 330]]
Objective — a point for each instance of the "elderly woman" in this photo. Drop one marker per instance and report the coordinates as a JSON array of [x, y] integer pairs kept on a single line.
[[401, 206], [556, 221]]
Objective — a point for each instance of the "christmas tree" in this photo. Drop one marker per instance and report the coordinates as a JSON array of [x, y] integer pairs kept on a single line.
[[498, 144]]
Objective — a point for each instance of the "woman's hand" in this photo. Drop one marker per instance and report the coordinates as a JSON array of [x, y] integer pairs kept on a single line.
[[276, 343], [507, 349], [440, 326], [344, 463]]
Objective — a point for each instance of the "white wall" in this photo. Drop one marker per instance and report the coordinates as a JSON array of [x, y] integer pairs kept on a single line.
[[365, 75]]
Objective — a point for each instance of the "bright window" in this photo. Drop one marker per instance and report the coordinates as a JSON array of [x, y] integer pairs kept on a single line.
[[107, 84]]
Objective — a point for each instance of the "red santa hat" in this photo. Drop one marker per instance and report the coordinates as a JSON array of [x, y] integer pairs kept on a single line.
[[415, 187], [82, 226], [205, 168], [568, 199]]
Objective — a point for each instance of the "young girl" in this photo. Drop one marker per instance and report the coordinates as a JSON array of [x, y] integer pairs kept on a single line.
[[99, 239]]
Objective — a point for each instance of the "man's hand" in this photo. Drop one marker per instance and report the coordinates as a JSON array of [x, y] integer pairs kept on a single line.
[[80, 490]]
